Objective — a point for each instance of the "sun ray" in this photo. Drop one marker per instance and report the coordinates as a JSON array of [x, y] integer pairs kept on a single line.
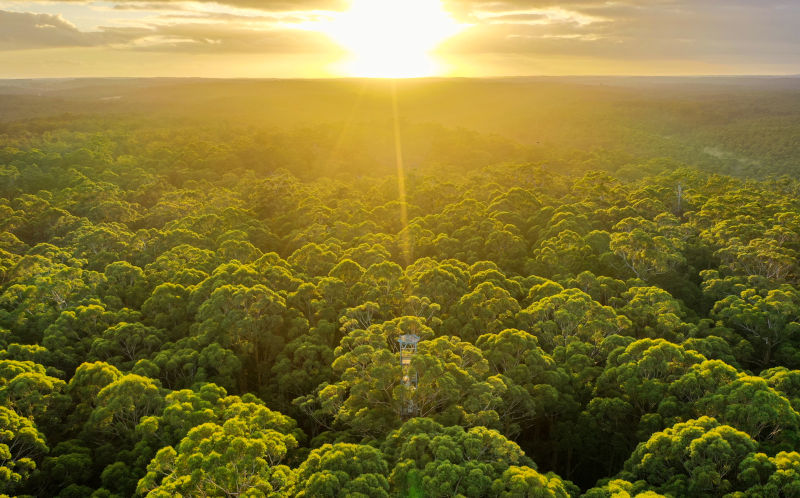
[[401, 178]]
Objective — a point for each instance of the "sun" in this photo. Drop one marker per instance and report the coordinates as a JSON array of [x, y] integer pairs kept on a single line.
[[391, 38]]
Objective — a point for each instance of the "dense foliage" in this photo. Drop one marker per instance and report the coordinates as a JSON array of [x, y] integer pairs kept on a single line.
[[179, 315]]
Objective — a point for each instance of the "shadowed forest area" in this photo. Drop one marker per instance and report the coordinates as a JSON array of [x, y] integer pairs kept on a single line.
[[202, 284]]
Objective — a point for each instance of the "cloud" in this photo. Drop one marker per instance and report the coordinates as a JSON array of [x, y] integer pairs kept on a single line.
[[712, 30], [262, 5], [536, 17], [226, 38], [21, 30], [176, 31]]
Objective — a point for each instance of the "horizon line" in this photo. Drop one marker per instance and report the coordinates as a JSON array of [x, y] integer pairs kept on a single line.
[[360, 78]]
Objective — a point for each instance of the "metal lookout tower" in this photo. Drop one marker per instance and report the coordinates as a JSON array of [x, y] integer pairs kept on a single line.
[[408, 347]]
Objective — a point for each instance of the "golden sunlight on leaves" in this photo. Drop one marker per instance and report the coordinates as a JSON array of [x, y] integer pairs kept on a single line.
[[391, 38]]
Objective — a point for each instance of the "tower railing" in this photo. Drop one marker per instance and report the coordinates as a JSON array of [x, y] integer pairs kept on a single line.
[[408, 348]]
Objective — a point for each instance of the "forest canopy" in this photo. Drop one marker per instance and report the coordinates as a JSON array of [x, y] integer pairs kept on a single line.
[[203, 302]]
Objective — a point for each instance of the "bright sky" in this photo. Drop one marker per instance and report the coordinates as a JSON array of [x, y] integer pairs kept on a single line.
[[397, 38]]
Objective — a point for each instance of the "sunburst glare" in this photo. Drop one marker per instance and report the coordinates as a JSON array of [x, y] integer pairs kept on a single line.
[[391, 38]]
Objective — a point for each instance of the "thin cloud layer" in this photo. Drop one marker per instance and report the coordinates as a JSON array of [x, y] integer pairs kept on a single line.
[[717, 33]]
